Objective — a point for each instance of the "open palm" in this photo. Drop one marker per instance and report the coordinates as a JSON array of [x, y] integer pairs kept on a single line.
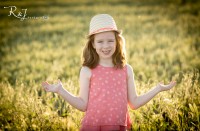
[[164, 87], [52, 87]]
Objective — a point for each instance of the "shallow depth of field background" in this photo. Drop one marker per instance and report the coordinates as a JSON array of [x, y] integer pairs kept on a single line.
[[162, 43]]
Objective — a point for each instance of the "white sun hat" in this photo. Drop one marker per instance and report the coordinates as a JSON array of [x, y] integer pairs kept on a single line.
[[102, 23]]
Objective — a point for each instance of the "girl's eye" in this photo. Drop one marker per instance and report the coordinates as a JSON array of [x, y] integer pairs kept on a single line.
[[100, 42], [111, 41]]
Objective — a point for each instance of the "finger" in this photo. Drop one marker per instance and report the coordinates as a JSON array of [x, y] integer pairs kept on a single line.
[[43, 84], [172, 82], [47, 83], [59, 82]]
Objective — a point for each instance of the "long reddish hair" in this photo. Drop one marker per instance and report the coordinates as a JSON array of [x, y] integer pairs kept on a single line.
[[91, 58]]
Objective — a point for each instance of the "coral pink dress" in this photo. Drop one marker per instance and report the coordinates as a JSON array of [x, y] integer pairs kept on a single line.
[[107, 107]]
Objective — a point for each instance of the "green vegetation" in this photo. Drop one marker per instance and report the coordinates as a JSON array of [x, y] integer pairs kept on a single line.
[[162, 42]]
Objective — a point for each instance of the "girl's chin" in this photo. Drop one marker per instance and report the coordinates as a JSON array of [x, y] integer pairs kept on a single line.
[[106, 56]]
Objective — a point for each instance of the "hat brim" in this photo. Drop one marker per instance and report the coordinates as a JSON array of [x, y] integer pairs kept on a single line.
[[101, 31]]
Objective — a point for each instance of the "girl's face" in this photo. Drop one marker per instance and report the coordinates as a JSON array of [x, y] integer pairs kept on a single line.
[[105, 44]]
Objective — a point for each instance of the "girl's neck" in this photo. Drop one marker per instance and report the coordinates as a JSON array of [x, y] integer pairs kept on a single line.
[[106, 62]]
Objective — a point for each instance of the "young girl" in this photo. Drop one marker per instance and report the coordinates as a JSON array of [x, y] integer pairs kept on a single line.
[[106, 80]]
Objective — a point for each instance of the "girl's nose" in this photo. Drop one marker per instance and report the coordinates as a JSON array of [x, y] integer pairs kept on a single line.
[[106, 45]]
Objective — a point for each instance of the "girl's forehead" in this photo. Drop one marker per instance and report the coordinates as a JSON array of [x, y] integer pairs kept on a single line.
[[105, 35]]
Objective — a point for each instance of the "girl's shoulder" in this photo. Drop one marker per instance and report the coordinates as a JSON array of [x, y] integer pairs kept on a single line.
[[129, 70], [85, 71]]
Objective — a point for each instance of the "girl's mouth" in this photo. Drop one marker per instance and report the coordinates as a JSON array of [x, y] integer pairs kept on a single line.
[[106, 52]]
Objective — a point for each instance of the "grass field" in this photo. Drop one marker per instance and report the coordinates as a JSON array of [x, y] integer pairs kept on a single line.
[[162, 43]]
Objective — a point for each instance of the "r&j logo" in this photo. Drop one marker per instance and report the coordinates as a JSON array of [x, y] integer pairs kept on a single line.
[[22, 15]]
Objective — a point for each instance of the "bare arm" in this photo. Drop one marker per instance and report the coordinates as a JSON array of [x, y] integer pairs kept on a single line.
[[78, 102], [136, 101]]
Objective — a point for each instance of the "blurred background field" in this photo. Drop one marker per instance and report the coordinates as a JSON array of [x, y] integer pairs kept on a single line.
[[162, 43]]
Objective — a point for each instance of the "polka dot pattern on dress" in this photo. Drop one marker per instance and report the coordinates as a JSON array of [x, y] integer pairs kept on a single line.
[[107, 103]]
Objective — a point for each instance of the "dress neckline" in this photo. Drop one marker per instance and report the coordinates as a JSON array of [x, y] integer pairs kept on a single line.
[[105, 66]]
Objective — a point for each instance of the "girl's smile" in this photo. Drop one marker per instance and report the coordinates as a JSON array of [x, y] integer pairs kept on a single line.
[[106, 52]]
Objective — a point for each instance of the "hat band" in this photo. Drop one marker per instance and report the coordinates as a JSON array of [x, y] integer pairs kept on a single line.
[[102, 29]]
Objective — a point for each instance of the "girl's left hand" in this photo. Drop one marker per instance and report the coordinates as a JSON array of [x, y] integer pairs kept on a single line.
[[163, 87], [55, 88]]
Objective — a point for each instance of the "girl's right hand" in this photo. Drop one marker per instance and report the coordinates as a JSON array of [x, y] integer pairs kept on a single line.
[[163, 87], [52, 87]]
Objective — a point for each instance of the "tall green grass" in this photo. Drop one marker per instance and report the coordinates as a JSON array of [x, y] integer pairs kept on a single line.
[[162, 43]]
